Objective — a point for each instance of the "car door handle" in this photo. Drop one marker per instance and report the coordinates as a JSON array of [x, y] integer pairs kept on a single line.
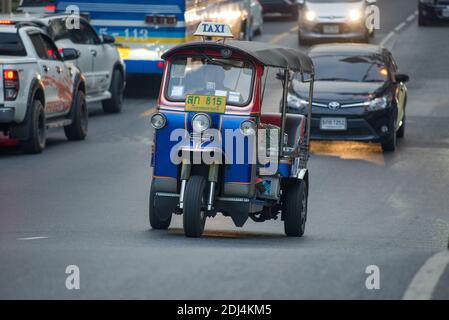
[[94, 52], [45, 68]]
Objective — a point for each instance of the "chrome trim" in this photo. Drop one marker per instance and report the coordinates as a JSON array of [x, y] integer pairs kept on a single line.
[[167, 194], [349, 105]]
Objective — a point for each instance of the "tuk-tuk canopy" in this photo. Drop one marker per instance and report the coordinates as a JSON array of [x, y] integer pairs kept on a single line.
[[267, 54]]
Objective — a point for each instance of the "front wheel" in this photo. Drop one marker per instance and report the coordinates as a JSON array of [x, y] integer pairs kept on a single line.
[[115, 103], [194, 215], [155, 221], [295, 209], [390, 144]]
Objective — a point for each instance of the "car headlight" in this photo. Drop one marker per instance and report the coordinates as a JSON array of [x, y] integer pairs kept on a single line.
[[355, 15], [158, 120], [378, 104], [201, 122], [248, 127], [294, 102], [310, 15]]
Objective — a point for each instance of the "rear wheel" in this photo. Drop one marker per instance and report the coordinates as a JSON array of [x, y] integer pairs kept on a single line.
[[155, 221], [295, 209], [37, 135], [194, 215], [77, 130], [114, 105]]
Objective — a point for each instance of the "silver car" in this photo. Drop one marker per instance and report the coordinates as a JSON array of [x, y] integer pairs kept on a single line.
[[333, 20]]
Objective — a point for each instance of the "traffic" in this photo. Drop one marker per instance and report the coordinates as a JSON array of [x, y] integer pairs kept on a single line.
[[127, 128]]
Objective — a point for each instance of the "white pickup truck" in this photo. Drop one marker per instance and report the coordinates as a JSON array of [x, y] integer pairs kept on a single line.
[[38, 90]]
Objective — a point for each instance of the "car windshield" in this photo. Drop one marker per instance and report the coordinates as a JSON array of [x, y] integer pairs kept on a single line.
[[11, 45], [349, 68], [209, 76]]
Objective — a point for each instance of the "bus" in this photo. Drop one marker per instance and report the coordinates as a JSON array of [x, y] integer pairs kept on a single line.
[[145, 29]]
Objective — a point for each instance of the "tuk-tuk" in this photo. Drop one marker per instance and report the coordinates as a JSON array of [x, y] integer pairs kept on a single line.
[[215, 150]]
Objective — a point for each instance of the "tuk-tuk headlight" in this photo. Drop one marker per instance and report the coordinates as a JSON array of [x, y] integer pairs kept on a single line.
[[201, 122], [248, 127], [158, 120]]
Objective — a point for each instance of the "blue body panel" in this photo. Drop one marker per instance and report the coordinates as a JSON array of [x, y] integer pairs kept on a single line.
[[164, 167]]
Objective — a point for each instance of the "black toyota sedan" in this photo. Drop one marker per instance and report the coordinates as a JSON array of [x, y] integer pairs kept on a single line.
[[431, 11], [359, 95]]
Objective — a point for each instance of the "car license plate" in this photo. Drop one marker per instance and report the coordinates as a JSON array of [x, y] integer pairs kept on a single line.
[[445, 12], [205, 103], [331, 29], [333, 124]]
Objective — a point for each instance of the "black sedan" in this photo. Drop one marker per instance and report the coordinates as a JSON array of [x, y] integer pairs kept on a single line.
[[431, 11], [284, 7], [359, 95]]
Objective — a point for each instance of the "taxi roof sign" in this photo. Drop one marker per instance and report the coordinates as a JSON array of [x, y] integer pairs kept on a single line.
[[213, 29]]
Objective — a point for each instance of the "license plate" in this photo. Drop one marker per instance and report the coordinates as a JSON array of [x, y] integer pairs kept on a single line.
[[331, 29], [333, 124], [205, 103], [445, 12]]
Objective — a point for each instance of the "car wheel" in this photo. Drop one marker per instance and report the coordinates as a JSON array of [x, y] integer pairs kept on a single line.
[[155, 221], [77, 130], [390, 144], [114, 105], [302, 41], [37, 130], [194, 215], [422, 22], [295, 209]]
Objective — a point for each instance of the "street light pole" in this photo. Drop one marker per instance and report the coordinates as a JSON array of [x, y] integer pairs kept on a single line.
[[6, 6]]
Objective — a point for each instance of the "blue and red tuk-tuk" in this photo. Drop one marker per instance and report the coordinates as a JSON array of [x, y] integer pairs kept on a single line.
[[216, 150]]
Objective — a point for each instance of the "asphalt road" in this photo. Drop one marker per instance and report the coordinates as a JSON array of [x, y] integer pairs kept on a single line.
[[85, 204]]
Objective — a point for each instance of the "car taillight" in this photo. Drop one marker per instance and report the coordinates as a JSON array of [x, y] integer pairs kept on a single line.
[[10, 84], [50, 8], [160, 20]]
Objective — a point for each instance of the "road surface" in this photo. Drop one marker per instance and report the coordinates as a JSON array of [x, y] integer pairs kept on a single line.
[[85, 204]]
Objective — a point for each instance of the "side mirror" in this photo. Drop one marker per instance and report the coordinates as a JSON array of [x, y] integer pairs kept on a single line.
[[70, 54], [402, 77], [300, 3], [108, 39]]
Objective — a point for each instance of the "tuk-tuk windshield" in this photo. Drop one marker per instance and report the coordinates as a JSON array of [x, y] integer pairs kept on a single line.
[[215, 77]]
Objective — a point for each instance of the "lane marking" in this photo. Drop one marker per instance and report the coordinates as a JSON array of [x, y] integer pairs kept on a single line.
[[147, 113], [398, 28], [279, 37], [427, 278], [294, 29], [31, 238]]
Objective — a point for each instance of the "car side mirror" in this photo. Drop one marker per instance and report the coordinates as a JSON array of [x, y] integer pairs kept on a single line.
[[70, 54], [402, 77], [108, 39], [300, 3]]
